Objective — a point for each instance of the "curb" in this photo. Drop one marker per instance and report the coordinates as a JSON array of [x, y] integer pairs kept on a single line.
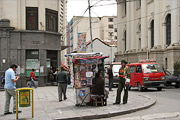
[[113, 114]]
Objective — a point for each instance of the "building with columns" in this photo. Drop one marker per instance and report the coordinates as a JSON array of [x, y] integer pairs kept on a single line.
[[149, 29], [31, 36]]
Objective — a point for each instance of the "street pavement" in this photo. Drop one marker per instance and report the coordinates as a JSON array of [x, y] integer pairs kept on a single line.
[[48, 107], [167, 106]]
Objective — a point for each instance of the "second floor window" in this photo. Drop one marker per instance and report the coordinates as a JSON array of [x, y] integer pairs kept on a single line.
[[110, 26], [51, 20], [31, 18], [110, 19]]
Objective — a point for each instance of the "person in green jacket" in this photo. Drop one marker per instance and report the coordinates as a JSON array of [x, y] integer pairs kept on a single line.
[[124, 76], [62, 83]]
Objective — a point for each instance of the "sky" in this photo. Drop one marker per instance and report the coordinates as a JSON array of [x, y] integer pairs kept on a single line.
[[102, 8]]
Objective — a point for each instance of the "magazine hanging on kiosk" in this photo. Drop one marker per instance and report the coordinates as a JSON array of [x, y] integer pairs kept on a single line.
[[83, 69]]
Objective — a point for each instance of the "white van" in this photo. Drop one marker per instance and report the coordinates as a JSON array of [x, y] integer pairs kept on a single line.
[[115, 69]]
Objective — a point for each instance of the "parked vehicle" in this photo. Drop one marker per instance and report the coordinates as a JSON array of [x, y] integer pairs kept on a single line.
[[147, 74], [172, 80], [115, 69]]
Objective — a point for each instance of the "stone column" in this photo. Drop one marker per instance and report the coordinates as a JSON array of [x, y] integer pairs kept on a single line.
[[157, 23], [128, 33], [174, 22], [143, 24], [5, 44], [133, 38], [119, 35]]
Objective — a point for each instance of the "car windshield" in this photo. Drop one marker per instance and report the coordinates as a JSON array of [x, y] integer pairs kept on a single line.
[[116, 69], [151, 68], [167, 73]]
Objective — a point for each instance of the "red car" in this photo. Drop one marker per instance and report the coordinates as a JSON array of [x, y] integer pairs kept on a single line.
[[147, 74]]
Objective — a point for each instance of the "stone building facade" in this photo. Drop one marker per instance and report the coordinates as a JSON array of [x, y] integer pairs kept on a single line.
[[149, 29], [30, 36]]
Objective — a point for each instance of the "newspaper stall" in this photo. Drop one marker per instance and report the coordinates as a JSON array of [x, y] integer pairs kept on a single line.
[[83, 67]]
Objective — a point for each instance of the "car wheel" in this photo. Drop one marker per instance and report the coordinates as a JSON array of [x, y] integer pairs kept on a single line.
[[140, 87], [159, 89], [176, 86], [145, 88]]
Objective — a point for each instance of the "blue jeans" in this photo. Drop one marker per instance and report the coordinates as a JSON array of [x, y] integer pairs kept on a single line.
[[32, 83]]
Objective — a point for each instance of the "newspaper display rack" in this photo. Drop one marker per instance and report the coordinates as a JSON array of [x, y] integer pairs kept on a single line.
[[83, 67]]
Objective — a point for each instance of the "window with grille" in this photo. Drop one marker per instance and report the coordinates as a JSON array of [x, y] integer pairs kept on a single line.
[[152, 33], [168, 29], [51, 20], [31, 18]]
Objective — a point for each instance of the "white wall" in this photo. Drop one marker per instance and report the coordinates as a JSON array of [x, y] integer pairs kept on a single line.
[[98, 46]]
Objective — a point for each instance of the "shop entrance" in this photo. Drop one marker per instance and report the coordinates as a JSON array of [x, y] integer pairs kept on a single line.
[[52, 65]]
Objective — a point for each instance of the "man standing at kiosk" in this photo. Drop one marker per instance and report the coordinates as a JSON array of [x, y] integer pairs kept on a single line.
[[62, 83], [124, 76]]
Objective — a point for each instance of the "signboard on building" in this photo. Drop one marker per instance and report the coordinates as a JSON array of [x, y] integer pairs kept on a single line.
[[24, 98], [81, 42], [32, 64]]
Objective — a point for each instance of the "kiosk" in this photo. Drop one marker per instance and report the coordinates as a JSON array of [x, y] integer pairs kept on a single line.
[[83, 67]]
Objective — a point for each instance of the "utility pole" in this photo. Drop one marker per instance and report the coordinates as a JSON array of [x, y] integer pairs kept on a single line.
[[89, 6]]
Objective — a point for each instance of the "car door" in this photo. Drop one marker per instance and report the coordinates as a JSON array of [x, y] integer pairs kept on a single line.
[[138, 75], [132, 70]]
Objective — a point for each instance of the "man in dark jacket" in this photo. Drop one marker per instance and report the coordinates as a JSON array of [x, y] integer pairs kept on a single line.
[[110, 77], [62, 83]]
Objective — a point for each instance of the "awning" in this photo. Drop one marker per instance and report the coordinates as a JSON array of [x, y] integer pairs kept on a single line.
[[90, 58], [83, 54]]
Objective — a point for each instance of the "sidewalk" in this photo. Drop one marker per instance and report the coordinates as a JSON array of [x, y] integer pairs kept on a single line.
[[47, 106]]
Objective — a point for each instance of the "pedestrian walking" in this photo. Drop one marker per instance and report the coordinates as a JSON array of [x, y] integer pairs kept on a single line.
[[10, 89], [124, 76], [32, 78], [110, 77], [62, 80]]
